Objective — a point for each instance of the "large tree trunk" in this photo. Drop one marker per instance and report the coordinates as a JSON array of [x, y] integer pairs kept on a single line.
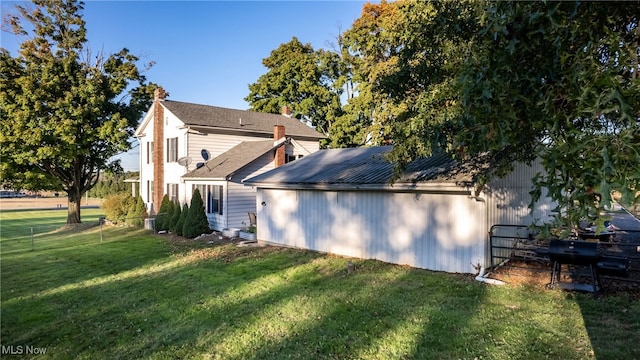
[[75, 197]]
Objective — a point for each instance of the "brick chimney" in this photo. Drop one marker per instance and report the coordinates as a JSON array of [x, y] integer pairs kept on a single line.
[[159, 94], [278, 134], [286, 111], [158, 144]]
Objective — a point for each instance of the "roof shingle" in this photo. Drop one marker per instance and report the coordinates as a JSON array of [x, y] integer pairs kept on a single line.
[[232, 119]]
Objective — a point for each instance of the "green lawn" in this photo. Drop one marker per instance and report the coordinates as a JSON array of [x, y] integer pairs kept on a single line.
[[135, 295]]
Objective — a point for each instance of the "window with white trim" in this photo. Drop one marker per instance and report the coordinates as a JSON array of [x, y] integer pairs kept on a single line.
[[149, 152], [150, 191], [172, 192], [172, 149], [212, 197]]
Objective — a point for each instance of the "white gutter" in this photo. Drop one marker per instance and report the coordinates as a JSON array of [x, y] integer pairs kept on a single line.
[[209, 128], [482, 278], [443, 188]]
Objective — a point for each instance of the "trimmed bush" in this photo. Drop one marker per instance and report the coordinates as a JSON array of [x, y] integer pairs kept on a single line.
[[170, 210], [183, 216], [131, 219], [137, 212], [161, 219], [196, 222], [177, 211], [117, 206], [141, 208]]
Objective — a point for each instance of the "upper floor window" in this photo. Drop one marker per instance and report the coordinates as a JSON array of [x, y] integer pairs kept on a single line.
[[150, 152], [172, 149]]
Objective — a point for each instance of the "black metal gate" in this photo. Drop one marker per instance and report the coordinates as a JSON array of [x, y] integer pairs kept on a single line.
[[509, 242]]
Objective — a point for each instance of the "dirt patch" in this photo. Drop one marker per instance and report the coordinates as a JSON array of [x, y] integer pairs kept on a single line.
[[523, 273], [538, 274], [218, 247]]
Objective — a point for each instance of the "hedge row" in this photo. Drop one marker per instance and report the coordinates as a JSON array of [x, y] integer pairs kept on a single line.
[[188, 221]]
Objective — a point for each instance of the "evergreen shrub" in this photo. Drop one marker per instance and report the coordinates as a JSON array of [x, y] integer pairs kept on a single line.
[[196, 222], [183, 216], [161, 219]]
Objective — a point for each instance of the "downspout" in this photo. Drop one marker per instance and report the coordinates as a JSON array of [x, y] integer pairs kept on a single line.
[[140, 168], [482, 275]]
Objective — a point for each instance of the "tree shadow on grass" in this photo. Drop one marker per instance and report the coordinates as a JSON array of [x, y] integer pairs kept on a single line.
[[417, 314], [305, 308], [278, 303], [133, 316], [612, 318]]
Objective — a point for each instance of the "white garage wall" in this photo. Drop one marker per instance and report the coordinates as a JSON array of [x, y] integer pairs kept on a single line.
[[443, 232], [508, 198]]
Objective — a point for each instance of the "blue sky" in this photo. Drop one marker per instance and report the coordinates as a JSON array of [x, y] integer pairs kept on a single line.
[[206, 52]]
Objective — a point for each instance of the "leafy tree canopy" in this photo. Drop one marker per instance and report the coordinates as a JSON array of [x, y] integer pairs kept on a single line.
[[512, 81], [65, 111], [302, 79], [401, 51]]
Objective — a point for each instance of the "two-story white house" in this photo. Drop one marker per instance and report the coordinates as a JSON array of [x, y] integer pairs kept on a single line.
[[184, 146]]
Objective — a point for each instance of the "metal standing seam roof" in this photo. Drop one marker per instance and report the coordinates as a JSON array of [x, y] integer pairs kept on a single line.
[[232, 160], [212, 116], [362, 167]]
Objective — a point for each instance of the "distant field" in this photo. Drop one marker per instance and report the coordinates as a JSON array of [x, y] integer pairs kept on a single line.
[[42, 202], [27, 230]]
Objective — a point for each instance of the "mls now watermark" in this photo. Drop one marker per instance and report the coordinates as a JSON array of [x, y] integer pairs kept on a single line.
[[23, 350]]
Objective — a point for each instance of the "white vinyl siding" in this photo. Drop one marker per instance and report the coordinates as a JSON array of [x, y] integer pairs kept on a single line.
[[508, 198], [310, 146], [145, 140], [175, 147], [238, 200], [242, 199], [217, 144]]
